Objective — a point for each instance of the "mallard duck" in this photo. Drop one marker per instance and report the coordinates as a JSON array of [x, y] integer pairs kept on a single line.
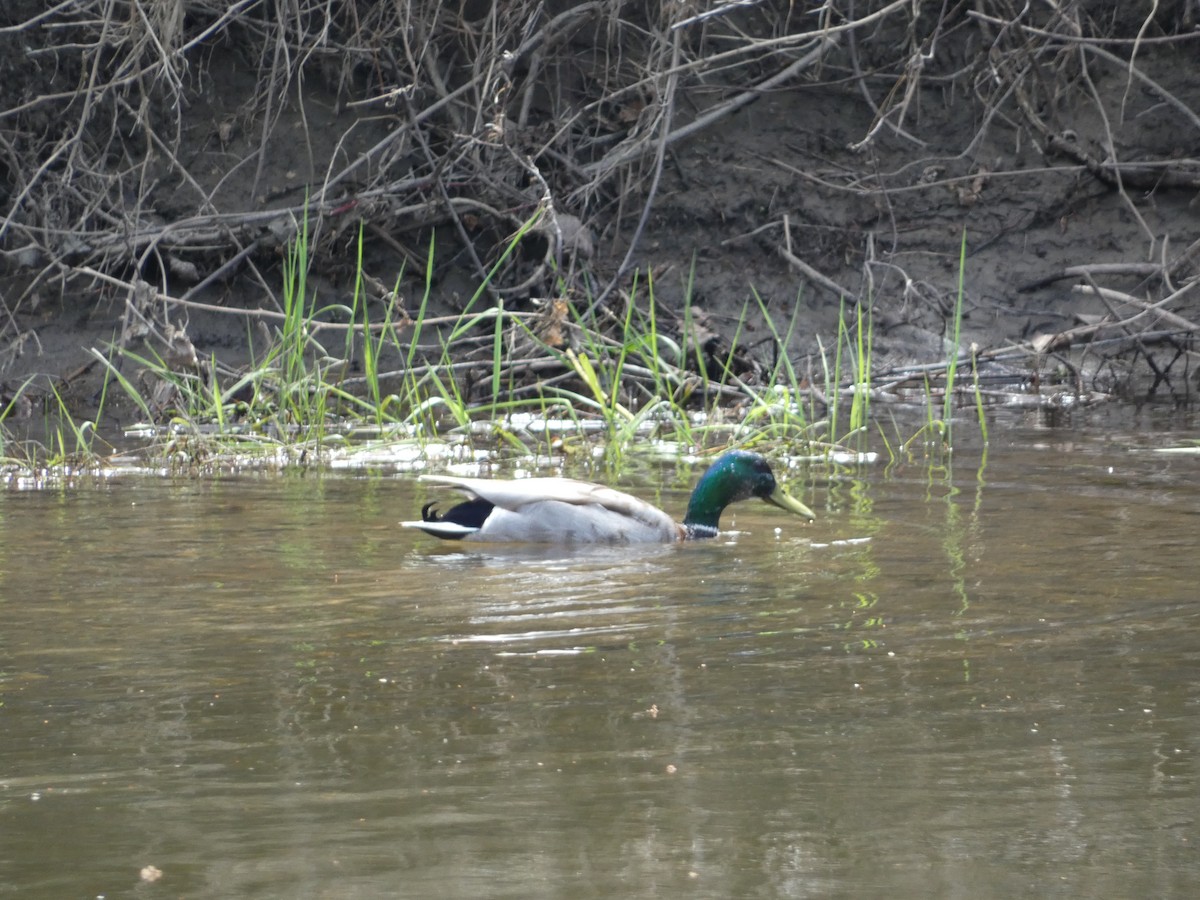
[[563, 510]]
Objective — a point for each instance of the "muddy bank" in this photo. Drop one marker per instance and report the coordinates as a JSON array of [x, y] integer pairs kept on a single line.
[[155, 169]]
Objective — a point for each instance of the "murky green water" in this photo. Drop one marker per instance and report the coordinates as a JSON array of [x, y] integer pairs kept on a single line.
[[987, 686]]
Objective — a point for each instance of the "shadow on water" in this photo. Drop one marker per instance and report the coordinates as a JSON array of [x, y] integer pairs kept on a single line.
[[972, 682]]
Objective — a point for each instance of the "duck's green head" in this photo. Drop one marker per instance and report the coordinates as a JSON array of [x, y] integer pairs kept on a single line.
[[738, 475]]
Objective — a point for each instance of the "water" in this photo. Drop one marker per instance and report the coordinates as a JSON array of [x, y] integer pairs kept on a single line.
[[983, 683]]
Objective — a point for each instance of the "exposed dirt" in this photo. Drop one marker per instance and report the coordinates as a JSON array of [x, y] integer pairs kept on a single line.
[[866, 166]]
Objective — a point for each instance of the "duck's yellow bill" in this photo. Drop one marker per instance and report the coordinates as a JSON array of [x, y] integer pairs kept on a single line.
[[779, 497]]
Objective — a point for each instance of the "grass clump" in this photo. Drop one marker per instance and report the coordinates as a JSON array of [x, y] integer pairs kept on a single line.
[[504, 381]]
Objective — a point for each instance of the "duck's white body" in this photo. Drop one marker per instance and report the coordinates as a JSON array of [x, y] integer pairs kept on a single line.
[[554, 510]]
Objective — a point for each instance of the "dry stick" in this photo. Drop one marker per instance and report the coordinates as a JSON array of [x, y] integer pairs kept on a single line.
[[533, 363], [1168, 283], [827, 33], [165, 55], [220, 271], [619, 157], [1147, 269], [178, 165], [1111, 148], [69, 145], [368, 155], [1080, 39], [549, 217], [543, 34], [454, 218], [668, 113], [1125, 325], [492, 76], [913, 188], [1182, 259], [164, 61], [229, 14], [1090, 45], [804, 268], [270, 117], [1143, 339], [911, 77], [535, 67], [880, 117], [210, 229], [33, 20], [1042, 130], [1146, 22], [603, 166], [726, 7], [316, 326], [429, 58], [1134, 336], [1166, 96], [1167, 316]]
